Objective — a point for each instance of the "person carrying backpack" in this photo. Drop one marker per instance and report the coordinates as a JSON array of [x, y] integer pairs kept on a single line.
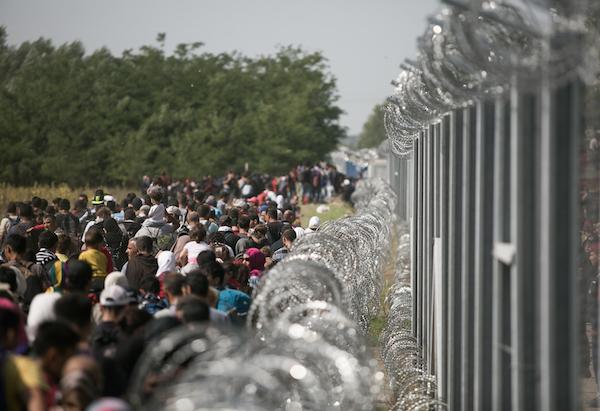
[[26, 221], [67, 222], [47, 259], [204, 214], [14, 250], [116, 242], [11, 220]]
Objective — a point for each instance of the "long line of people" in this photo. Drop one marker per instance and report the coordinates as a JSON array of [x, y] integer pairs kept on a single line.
[[84, 289]]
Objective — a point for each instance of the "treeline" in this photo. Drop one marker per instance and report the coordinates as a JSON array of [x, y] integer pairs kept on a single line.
[[67, 116]]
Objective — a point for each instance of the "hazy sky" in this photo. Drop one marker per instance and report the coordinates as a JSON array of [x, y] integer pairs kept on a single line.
[[364, 40]]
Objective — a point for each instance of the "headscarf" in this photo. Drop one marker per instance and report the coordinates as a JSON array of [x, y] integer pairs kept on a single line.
[[256, 258], [166, 262], [40, 310]]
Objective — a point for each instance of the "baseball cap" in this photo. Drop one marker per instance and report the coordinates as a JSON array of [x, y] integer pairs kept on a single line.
[[314, 222], [114, 296], [173, 210]]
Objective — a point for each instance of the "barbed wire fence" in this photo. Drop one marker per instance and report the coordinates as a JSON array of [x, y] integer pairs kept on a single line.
[[305, 349], [486, 83], [485, 125]]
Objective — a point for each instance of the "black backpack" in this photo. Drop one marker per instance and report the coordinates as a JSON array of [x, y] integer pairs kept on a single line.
[[11, 224], [231, 238]]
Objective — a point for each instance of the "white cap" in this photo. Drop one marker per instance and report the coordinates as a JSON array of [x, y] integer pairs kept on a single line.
[[173, 210], [116, 278], [314, 222], [114, 296]]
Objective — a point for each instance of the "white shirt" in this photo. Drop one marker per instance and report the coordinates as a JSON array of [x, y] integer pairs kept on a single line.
[[89, 225], [193, 249]]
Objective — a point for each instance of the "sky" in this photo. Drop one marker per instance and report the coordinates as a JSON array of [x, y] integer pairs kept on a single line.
[[364, 40]]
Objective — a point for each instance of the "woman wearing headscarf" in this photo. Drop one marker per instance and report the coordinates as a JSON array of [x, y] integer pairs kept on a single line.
[[166, 263], [255, 260]]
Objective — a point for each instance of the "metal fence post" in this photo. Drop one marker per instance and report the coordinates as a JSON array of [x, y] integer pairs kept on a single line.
[[467, 266], [501, 386], [523, 227], [442, 352], [559, 149], [417, 242], [455, 216], [484, 206]]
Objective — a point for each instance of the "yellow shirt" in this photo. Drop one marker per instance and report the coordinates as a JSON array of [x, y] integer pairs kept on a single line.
[[20, 375], [97, 260]]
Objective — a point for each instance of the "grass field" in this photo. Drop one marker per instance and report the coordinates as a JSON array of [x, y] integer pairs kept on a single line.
[[337, 209]]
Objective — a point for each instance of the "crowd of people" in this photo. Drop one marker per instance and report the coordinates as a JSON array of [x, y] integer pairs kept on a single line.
[[85, 286]]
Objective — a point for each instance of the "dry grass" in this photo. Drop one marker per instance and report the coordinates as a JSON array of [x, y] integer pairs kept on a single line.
[[385, 400], [9, 193]]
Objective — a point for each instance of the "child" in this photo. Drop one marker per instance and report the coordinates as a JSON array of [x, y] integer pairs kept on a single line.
[[156, 216]]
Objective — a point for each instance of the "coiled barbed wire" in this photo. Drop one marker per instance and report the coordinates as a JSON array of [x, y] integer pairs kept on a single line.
[[304, 348], [467, 54], [412, 388]]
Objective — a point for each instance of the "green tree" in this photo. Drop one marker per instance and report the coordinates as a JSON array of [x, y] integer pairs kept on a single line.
[[68, 116], [373, 131]]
